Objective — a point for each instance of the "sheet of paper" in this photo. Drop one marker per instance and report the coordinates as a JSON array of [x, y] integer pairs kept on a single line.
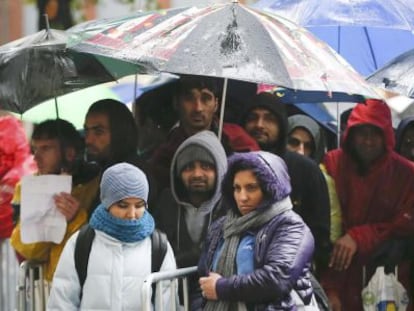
[[40, 220]]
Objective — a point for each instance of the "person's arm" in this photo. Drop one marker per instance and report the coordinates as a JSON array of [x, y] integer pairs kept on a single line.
[[65, 293]]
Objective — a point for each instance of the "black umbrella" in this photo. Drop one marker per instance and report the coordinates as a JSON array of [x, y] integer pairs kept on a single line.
[[38, 67]]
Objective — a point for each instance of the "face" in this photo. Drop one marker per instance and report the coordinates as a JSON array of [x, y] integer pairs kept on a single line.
[[130, 208], [199, 177], [197, 109], [247, 192], [47, 155], [301, 141], [368, 142], [263, 126], [407, 144], [97, 137]]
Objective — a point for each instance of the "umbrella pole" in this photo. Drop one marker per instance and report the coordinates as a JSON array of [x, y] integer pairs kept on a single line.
[[338, 126], [223, 102], [134, 109], [56, 108]]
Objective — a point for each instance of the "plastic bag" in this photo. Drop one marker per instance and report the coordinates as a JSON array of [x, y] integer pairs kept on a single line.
[[384, 293], [300, 305]]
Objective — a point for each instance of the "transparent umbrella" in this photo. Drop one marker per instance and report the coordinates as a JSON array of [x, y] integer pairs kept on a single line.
[[230, 41], [367, 33]]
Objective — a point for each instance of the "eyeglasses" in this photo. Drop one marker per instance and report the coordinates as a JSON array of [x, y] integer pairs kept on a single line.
[[294, 142]]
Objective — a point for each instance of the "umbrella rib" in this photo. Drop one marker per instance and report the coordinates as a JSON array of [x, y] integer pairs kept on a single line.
[[370, 47]]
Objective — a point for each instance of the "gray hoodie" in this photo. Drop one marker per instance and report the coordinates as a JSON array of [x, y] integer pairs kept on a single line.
[[195, 218], [314, 129], [185, 224]]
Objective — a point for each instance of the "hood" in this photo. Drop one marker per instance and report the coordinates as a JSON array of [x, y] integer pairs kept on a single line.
[[210, 142], [270, 170], [402, 126], [313, 128], [273, 104], [14, 146], [374, 112]]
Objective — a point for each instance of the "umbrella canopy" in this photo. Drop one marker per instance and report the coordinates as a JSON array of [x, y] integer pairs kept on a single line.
[[229, 41], [397, 76], [38, 67], [74, 106], [367, 33]]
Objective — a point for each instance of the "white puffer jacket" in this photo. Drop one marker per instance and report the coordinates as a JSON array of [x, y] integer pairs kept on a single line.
[[116, 272]]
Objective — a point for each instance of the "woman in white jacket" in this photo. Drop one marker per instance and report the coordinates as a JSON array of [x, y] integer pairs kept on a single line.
[[120, 256]]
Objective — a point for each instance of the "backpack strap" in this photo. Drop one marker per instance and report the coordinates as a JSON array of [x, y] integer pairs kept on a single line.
[[159, 244], [83, 247]]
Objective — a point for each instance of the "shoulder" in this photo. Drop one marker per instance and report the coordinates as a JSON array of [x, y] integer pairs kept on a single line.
[[299, 165], [238, 138]]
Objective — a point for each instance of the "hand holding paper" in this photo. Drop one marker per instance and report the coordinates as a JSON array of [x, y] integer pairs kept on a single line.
[[41, 220]]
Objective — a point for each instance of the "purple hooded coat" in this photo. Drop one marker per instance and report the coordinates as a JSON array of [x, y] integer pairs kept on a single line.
[[283, 246]]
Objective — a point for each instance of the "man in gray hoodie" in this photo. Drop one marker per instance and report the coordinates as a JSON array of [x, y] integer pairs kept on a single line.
[[186, 209]]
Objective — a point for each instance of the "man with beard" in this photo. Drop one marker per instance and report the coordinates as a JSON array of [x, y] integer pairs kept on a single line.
[[197, 101], [185, 210], [265, 120], [111, 137], [375, 191]]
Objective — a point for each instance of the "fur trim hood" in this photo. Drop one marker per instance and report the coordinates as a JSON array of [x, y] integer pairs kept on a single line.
[[270, 170]]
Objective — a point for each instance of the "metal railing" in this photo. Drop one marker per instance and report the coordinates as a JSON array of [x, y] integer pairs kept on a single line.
[[159, 278], [32, 289], [8, 276]]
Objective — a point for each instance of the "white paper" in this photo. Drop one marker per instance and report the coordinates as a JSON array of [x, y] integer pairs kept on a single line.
[[40, 220]]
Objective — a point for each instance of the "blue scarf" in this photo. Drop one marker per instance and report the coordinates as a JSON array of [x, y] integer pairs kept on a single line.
[[124, 230]]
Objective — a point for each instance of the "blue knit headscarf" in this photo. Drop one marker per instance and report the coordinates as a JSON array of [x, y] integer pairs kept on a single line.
[[119, 182]]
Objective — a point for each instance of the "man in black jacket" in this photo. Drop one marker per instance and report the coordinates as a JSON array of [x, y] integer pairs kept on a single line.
[[265, 120]]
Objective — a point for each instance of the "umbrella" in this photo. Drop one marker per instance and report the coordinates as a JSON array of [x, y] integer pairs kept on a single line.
[[74, 106], [231, 41], [397, 75], [367, 33], [38, 67]]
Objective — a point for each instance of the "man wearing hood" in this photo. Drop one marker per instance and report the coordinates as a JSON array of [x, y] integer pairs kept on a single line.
[[265, 120], [185, 210], [305, 137], [374, 186]]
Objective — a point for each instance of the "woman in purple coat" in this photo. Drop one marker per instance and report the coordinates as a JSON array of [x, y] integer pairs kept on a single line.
[[261, 250]]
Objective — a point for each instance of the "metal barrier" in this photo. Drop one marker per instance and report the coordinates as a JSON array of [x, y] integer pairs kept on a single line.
[[158, 278], [8, 276], [32, 289]]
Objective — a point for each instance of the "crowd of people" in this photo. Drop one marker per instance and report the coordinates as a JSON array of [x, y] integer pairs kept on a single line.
[[265, 211]]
